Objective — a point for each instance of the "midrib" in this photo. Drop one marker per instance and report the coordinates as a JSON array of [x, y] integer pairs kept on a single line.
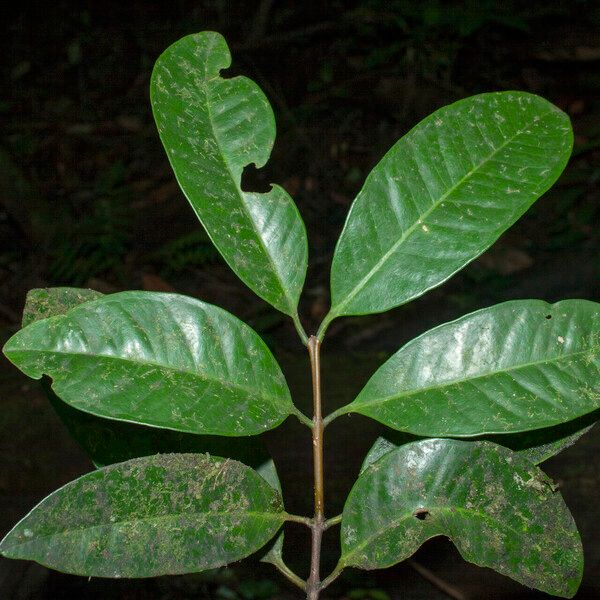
[[241, 196], [363, 282], [201, 376], [413, 392], [157, 519]]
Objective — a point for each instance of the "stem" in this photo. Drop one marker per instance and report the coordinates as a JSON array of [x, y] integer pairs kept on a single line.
[[335, 414], [299, 328], [289, 574], [303, 418], [333, 521], [298, 519], [313, 584], [333, 576], [324, 325]]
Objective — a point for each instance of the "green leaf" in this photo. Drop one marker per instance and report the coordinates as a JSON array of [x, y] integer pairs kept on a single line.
[[211, 129], [499, 510], [42, 303], [107, 441], [536, 446], [443, 194], [166, 514], [275, 554], [516, 366], [158, 359], [541, 444], [392, 440]]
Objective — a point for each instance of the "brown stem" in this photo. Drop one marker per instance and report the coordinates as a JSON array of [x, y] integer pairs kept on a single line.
[[313, 584]]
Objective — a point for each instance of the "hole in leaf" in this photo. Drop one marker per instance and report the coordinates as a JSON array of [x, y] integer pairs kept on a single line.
[[255, 180], [548, 316], [421, 514]]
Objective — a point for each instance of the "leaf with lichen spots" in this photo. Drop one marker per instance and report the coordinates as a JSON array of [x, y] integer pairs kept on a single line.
[[42, 303], [212, 128], [166, 514], [500, 511], [516, 366], [156, 359], [443, 194]]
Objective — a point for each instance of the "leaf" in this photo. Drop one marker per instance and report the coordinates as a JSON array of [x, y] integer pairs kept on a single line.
[[166, 514], [541, 444], [211, 129], [516, 366], [385, 444], [543, 451], [157, 359], [42, 303], [107, 441], [443, 194], [275, 554], [499, 510], [536, 446]]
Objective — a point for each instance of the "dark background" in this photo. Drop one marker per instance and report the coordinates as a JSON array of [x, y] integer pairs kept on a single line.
[[87, 198]]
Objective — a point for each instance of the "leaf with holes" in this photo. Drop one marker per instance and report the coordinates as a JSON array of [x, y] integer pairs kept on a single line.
[[158, 359], [443, 194], [166, 514], [516, 366], [499, 510], [211, 129]]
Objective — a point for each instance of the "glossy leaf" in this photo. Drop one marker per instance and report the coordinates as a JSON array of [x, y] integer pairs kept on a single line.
[[516, 366], [443, 194], [166, 514], [211, 129], [157, 359], [107, 441], [499, 510]]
